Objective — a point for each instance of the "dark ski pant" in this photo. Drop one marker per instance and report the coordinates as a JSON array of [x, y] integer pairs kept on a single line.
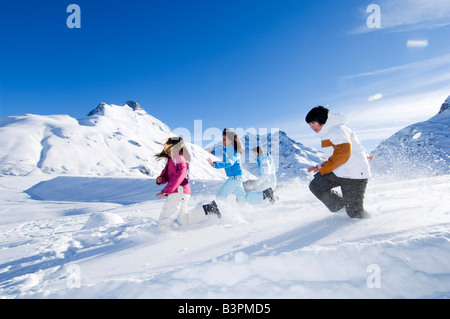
[[352, 198]]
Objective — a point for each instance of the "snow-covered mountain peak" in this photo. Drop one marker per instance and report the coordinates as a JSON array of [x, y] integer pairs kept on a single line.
[[124, 117], [135, 106], [99, 110], [111, 109], [445, 106]]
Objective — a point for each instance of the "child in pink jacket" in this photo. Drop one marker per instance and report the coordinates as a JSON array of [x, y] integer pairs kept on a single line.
[[177, 190]]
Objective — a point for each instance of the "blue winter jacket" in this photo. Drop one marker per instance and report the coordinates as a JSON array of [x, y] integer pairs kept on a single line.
[[231, 161]]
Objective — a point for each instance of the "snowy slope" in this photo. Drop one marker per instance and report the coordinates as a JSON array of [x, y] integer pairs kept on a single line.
[[420, 150], [73, 245], [111, 141]]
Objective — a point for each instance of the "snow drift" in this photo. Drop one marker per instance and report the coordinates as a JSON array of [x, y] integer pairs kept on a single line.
[[419, 150], [294, 249]]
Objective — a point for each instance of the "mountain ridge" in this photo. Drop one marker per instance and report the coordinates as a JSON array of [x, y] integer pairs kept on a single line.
[[111, 140]]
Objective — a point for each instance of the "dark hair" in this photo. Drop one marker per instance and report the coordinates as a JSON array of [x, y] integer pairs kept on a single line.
[[233, 137], [258, 149], [318, 114]]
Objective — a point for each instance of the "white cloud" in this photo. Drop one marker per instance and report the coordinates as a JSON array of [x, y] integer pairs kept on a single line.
[[406, 15], [433, 63], [417, 43], [415, 14], [375, 97]]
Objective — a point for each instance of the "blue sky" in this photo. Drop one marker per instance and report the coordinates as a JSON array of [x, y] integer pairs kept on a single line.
[[243, 63]]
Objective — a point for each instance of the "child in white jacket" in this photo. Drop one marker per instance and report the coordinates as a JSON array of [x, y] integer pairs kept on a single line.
[[266, 169], [347, 165]]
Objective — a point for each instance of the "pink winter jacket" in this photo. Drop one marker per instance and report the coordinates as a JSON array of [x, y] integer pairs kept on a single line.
[[175, 174]]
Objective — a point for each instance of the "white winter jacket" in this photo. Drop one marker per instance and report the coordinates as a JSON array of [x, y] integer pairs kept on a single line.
[[346, 156], [267, 171]]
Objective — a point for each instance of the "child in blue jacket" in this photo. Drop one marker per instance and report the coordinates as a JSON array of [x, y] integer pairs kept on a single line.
[[231, 162]]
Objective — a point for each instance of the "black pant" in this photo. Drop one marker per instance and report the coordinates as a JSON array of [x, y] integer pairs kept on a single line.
[[352, 198]]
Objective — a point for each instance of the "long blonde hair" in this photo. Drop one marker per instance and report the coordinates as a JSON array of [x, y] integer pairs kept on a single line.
[[174, 146]]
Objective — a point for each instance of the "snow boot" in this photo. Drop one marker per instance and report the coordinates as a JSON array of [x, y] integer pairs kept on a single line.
[[212, 209], [361, 215], [268, 193]]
